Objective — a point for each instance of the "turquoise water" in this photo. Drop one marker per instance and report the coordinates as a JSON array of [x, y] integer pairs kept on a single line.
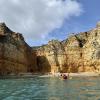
[[46, 88]]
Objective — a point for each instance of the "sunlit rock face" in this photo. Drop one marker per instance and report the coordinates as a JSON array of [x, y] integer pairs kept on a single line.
[[78, 53], [15, 55], [51, 57], [92, 50]]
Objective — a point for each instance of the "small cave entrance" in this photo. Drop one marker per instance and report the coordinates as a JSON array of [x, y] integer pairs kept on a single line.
[[3, 39], [43, 64], [98, 55]]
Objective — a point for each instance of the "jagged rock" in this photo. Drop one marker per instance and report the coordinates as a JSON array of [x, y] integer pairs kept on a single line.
[[54, 57], [15, 55], [78, 53], [98, 25]]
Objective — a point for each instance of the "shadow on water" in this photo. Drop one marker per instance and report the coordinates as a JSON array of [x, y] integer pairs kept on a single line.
[[46, 88]]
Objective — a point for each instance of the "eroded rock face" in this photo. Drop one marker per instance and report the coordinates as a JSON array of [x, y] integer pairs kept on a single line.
[[15, 55], [91, 50], [51, 57], [78, 53]]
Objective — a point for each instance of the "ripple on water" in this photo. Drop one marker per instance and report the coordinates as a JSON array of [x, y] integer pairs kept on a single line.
[[48, 88]]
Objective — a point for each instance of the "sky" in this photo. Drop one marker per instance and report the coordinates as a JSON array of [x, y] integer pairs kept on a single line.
[[43, 20]]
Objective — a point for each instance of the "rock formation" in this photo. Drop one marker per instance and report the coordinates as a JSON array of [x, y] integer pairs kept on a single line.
[[51, 57], [15, 55], [78, 53]]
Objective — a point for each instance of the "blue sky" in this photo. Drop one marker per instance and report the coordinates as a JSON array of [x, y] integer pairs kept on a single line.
[[86, 21], [42, 20]]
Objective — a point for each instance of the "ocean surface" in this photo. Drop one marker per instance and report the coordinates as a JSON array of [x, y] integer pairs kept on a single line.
[[50, 88]]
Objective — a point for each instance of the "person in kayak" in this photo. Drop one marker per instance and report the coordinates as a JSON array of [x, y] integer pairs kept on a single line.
[[63, 76]]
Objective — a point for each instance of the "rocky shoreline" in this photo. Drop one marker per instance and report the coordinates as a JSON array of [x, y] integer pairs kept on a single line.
[[81, 74], [24, 76]]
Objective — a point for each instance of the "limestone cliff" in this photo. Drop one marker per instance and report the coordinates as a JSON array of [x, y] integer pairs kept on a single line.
[[51, 57], [15, 55], [78, 53]]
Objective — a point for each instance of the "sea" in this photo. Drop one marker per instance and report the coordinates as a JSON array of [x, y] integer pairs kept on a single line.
[[50, 88]]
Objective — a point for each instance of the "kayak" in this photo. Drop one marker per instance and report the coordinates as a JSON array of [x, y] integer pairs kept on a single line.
[[65, 79]]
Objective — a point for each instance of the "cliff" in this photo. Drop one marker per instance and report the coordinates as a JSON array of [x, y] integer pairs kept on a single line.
[[78, 53], [15, 55]]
